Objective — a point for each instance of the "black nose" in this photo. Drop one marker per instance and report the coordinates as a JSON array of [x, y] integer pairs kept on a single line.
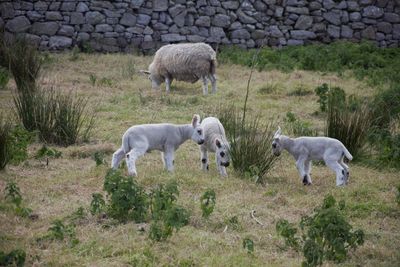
[[225, 164], [201, 142], [273, 145]]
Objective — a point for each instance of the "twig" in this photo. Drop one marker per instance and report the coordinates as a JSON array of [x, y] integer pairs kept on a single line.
[[226, 228], [252, 216]]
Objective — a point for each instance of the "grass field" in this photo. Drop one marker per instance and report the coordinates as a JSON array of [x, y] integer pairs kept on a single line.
[[123, 98]]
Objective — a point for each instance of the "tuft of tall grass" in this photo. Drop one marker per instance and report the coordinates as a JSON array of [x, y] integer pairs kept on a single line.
[[5, 145], [4, 78]]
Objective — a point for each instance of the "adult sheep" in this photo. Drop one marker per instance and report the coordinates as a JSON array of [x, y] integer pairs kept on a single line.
[[184, 62]]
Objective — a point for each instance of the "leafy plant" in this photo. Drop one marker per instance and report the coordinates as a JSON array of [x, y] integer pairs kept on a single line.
[[14, 258], [13, 194], [59, 231], [4, 78], [322, 92], [98, 157], [207, 202], [20, 139], [127, 200], [46, 151], [97, 205], [105, 82], [300, 91], [326, 235], [298, 127], [248, 244]]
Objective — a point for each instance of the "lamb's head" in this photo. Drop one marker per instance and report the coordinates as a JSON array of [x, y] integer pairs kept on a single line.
[[276, 143], [198, 132], [222, 152]]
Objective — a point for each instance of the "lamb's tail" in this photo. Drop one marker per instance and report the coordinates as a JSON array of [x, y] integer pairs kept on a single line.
[[347, 153]]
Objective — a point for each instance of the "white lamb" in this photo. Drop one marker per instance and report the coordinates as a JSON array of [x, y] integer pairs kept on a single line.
[[164, 137], [184, 62], [214, 141], [305, 149]]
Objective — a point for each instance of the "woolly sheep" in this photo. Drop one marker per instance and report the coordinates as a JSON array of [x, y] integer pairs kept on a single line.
[[305, 149], [214, 141], [183, 62], [165, 137]]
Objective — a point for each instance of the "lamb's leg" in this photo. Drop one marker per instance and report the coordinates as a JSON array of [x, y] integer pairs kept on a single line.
[[131, 158], [346, 169], [221, 169], [300, 164], [205, 85], [213, 83], [204, 158], [168, 158], [168, 84], [307, 169], [340, 172], [117, 157]]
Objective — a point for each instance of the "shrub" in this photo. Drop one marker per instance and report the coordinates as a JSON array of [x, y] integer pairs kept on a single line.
[[127, 199], [322, 92], [46, 151], [297, 127], [98, 204], [248, 244], [207, 203], [326, 235], [59, 231], [98, 157], [20, 139], [4, 78], [13, 194], [14, 258], [350, 126]]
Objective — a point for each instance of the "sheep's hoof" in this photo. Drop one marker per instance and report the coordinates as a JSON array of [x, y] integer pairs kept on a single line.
[[305, 181]]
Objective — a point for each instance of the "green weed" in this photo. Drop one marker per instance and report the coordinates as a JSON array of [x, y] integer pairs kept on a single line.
[[207, 203], [248, 244], [92, 79], [46, 151], [300, 91], [97, 205], [298, 127], [14, 258]]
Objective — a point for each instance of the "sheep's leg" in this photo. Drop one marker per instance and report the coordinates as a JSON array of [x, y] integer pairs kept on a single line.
[[168, 84], [168, 158], [300, 164], [346, 170], [340, 172], [205, 85], [117, 157], [213, 83], [307, 169], [221, 169], [131, 158], [204, 158]]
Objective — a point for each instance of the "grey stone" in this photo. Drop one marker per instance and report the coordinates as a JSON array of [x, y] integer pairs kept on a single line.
[[380, 36], [135, 30], [373, 12], [18, 24], [358, 26], [240, 34], [297, 10], [176, 9], [352, 6], [366, 2], [396, 31], [278, 12], [301, 34], [53, 15], [236, 25], [391, 17], [82, 7], [34, 15], [303, 22], [95, 17], [59, 42], [189, 20], [207, 11], [295, 3], [384, 27], [258, 34], [346, 32], [66, 30], [83, 37], [148, 30], [1, 23], [87, 28], [172, 37], [160, 26], [355, 16], [217, 32], [220, 20], [369, 21], [332, 17], [381, 3], [77, 18], [45, 28], [112, 21], [231, 5], [250, 43], [179, 19], [160, 5], [40, 6], [319, 27], [32, 39], [103, 28], [345, 17], [68, 6], [293, 42], [26, 5], [260, 6], [293, 17], [333, 31], [368, 33], [111, 13], [328, 4], [203, 21], [143, 19], [135, 4], [275, 32], [128, 19], [314, 5], [54, 6], [342, 5], [173, 29], [245, 18]]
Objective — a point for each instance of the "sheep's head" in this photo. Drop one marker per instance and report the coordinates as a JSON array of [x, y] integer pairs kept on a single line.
[[222, 152], [276, 143], [198, 133], [155, 79]]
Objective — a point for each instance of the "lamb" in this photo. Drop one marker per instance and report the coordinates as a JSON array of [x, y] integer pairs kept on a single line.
[[184, 62], [305, 149], [214, 141], [165, 137]]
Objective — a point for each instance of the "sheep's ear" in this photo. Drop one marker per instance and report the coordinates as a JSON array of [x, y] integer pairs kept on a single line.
[[195, 120], [278, 132], [144, 72], [218, 143]]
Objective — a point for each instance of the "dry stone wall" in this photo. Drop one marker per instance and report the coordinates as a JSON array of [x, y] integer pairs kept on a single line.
[[122, 25]]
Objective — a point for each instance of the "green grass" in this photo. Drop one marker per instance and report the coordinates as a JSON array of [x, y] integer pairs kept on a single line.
[[57, 190]]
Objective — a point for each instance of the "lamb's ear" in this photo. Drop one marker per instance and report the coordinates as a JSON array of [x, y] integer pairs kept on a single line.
[[218, 143], [278, 132], [195, 120], [144, 72]]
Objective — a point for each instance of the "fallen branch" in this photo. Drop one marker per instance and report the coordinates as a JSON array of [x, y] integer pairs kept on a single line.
[[252, 216]]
